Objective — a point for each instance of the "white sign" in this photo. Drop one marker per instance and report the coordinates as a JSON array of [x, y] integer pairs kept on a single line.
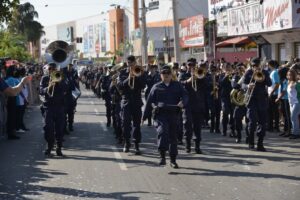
[[256, 17]]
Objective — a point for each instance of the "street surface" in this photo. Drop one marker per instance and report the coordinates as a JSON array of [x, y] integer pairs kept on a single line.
[[96, 168]]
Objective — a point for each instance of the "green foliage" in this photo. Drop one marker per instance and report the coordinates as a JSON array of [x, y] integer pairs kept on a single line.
[[13, 46], [23, 22], [6, 9]]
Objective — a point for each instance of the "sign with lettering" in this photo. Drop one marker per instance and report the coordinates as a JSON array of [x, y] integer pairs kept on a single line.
[[255, 17], [191, 32], [153, 5]]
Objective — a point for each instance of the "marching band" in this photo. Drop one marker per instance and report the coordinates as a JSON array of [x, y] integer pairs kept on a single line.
[[180, 100]]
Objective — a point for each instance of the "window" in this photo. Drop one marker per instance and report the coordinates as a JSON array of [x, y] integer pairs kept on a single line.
[[282, 53]]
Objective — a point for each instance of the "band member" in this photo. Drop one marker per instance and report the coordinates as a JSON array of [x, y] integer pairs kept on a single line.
[[131, 82], [227, 107], [258, 79], [240, 109], [105, 81], [53, 89], [194, 112], [71, 79], [273, 94], [167, 97], [151, 78], [214, 101], [115, 93]]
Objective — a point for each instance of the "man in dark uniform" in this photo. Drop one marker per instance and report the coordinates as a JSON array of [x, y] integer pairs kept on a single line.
[[54, 109], [167, 97], [115, 93], [214, 101], [105, 81], [227, 107], [151, 78], [196, 87], [239, 110], [131, 81], [70, 77], [258, 104]]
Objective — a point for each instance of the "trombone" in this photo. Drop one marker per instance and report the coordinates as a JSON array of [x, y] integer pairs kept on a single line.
[[199, 73], [135, 71]]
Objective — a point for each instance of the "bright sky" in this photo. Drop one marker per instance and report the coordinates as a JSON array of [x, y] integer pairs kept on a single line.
[[53, 12]]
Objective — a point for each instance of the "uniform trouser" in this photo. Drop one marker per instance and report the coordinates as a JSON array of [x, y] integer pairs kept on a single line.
[[131, 113], [167, 127], [227, 116], [108, 110], [116, 109], [239, 114], [273, 113], [54, 125], [285, 108], [11, 116], [215, 112], [69, 113], [256, 113], [193, 125], [180, 132], [20, 117], [150, 116]]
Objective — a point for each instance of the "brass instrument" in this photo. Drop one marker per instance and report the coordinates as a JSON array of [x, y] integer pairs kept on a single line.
[[55, 77], [258, 77], [135, 71], [215, 87], [59, 52], [199, 73]]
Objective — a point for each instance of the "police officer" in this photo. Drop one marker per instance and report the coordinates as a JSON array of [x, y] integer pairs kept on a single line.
[[151, 78], [258, 104], [54, 108], [131, 82], [227, 107], [167, 97], [195, 110], [105, 81]]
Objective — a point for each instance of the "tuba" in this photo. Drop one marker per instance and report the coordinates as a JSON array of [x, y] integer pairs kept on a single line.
[[60, 53]]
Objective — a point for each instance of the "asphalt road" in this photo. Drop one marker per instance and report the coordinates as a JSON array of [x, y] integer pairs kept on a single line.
[[96, 168]]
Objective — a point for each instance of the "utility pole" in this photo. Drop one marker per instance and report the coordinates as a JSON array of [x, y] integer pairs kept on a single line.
[[144, 35], [176, 32], [115, 42]]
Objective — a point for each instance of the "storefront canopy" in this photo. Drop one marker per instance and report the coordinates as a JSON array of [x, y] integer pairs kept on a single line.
[[234, 41]]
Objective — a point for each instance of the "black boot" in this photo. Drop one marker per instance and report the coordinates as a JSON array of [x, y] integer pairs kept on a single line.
[[48, 150], [162, 158], [71, 127], [197, 147], [137, 149], [188, 146], [173, 163], [126, 147], [58, 150], [260, 145]]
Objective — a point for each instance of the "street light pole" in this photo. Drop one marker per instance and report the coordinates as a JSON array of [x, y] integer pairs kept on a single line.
[[115, 42], [176, 32], [144, 35]]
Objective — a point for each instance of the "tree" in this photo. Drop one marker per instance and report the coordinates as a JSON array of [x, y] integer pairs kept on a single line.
[[13, 46], [6, 9]]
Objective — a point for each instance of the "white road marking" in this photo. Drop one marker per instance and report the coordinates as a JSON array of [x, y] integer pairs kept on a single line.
[[121, 162]]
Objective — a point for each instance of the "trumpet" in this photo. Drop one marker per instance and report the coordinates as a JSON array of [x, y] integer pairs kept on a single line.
[[135, 71], [55, 77]]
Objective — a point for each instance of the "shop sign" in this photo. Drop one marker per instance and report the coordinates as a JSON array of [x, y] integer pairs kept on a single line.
[[191, 32]]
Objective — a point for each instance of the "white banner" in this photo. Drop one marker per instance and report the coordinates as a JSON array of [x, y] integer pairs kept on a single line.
[[255, 18]]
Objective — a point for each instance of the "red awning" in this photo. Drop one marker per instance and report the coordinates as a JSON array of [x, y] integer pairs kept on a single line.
[[232, 41]]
